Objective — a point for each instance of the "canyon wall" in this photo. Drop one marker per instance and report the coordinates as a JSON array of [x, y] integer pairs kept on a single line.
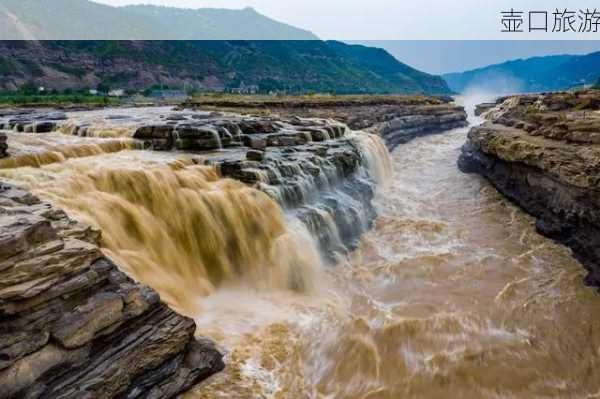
[[543, 152]]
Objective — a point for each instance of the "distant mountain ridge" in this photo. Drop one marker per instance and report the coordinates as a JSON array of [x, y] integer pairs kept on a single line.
[[87, 20], [550, 73], [291, 66]]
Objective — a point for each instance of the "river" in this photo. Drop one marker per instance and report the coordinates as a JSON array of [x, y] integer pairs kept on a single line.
[[452, 294]]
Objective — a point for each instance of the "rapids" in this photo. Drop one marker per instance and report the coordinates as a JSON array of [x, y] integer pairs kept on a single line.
[[452, 294]]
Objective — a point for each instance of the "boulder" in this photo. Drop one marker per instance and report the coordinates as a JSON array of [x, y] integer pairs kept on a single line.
[[257, 126], [199, 138], [157, 137], [3, 145], [255, 142], [254, 155], [44, 127]]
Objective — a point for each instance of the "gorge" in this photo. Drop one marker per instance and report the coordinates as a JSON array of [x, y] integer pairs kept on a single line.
[[281, 246]]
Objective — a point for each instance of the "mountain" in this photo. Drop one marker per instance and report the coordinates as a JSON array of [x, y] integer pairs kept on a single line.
[[292, 66], [86, 20], [536, 74], [219, 24]]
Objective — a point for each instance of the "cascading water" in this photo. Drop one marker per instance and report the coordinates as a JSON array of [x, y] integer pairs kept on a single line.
[[36, 151], [202, 241], [179, 227]]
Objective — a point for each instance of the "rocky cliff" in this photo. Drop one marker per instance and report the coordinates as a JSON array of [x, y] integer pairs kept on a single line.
[[543, 152], [72, 325]]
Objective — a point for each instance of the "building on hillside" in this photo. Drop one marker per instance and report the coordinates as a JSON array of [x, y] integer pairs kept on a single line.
[[116, 93], [244, 89]]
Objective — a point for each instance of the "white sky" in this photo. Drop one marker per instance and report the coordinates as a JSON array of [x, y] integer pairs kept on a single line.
[[396, 19]]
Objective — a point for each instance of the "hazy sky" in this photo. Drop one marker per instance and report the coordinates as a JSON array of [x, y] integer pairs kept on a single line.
[[403, 26], [397, 19], [438, 56]]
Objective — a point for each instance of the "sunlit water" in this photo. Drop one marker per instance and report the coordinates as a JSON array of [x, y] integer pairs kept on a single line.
[[452, 294]]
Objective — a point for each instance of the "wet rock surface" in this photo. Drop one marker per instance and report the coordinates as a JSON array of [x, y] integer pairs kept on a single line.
[[397, 119], [32, 121], [312, 166], [484, 107], [3, 145], [542, 152], [223, 131], [72, 325], [328, 187]]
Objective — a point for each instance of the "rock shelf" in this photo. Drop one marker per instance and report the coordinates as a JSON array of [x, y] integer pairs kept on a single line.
[[543, 152]]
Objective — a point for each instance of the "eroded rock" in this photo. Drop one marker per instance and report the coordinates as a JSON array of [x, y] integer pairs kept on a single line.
[[541, 151], [3, 145], [72, 325]]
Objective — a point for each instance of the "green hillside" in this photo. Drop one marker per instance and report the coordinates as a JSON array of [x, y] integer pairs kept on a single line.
[[290, 66]]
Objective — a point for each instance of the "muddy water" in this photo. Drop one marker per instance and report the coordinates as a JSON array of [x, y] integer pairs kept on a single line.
[[176, 226], [452, 294]]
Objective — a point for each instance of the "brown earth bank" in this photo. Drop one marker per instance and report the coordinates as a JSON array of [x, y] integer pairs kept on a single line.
[[543, 152]]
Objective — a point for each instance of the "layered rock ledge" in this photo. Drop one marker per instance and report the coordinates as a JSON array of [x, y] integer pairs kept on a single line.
[[543, 152], [397, 119], [72, 325], [315, 168]]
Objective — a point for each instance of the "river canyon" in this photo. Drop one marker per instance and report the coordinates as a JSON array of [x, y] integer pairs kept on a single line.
[[452, 293], [325, 267]]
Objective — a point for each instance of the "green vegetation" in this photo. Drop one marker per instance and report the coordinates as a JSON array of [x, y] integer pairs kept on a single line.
[[281, 67], [54, 99]]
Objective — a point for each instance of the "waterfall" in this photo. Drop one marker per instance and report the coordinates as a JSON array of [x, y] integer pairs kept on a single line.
[[185, 229], [61, 152], [181, 228]]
